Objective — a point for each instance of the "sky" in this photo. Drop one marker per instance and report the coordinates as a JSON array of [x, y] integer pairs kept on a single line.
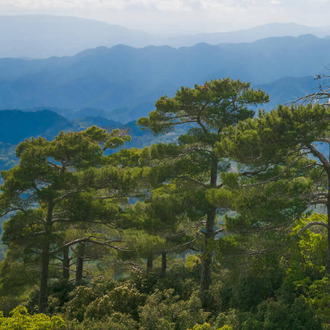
[[186, 16]]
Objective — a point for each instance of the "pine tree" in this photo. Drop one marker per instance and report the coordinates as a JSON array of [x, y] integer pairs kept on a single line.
[[51, 176], [206, 110], [288, 147]]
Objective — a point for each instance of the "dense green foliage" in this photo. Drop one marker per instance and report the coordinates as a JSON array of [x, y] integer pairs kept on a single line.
[[216, 230], [20, 319]]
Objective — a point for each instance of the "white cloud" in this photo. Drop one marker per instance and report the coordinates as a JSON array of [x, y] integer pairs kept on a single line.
[[178, 5], [183, 15]]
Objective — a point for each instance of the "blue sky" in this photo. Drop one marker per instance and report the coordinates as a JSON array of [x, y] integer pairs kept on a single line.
[[180, 15]]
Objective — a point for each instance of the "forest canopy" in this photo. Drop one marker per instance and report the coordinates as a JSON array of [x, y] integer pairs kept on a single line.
[[228, 227]]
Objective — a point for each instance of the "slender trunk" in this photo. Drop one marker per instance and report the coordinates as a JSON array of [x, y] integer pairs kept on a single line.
[[327, 268], [209, 236], [66, 263], [150, 263], [80, 263], [328, 211], [207, 256], [43, 293], [45, 257], [328, 208], [164, 264], [79, 271]]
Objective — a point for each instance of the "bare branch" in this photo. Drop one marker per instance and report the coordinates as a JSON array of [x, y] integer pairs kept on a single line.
[[319, 201], [250, 173], [220, 230], [192, 180], [134, 267], [277, 176], [320, 95], [72, 243], [320, 156], [199, 122], [313, 224], [325, 140], [57, 166], [107, 243]]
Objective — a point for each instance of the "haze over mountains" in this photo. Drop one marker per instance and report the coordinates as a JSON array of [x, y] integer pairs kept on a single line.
[[126, 81], [42, 36], [16, 126], [113, 85], [48, 124]]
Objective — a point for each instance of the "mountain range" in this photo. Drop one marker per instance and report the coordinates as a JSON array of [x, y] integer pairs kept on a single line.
[[17, 125], [112, 87], [125, 82], [42, 36], [289, 89]]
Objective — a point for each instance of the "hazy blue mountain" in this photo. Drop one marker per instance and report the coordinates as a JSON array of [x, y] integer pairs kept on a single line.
[[289, 89], [67, 113], [125, 81], [42, 36], [15, 125], [282, 91], [252, 34], [89, 121]]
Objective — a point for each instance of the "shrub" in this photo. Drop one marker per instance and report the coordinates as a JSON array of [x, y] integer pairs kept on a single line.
[[123, 299], [20, 319], [165, 311], [117, 321], [206, 326], [81, 298]]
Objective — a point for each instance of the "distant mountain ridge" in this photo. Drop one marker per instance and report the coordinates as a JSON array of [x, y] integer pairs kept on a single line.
[[282, 91], [288, 89], [17, 125], [125, 82], [43, 36]]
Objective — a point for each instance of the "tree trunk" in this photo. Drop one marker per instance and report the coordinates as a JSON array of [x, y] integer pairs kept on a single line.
[[66, 263], [164, 264], [150, 263], [207, 257], [328, 263], [43, 293], [45, 257], [80, 263], [209, 236], [327, 268]]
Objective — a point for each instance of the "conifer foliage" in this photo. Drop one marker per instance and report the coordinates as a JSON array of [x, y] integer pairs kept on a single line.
[[228, 227]]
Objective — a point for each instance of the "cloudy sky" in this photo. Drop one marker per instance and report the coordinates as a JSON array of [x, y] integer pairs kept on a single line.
[[180, 15]]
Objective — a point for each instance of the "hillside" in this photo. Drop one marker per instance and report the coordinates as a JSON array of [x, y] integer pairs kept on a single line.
[[128, 81], [288, 89], [16, 126], [281, 91]]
